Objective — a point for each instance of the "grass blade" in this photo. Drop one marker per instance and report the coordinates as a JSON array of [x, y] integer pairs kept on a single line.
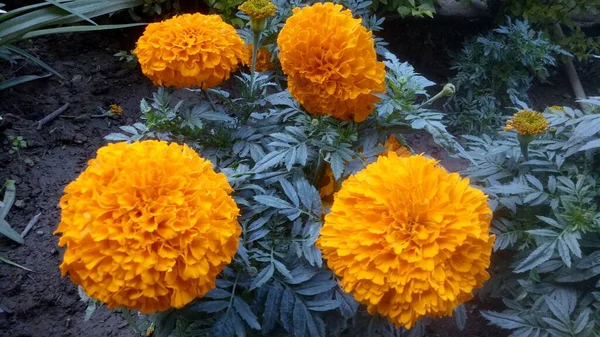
[[32, 59], [24, 9], [66, 8], [10, 233], [7, 261], [20, 80], [72, 29], [10, 194], [16, 27]]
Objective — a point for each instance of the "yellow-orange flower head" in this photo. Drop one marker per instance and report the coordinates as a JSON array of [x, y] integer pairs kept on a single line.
[[527, 123], [330, 61], [408, 239], [147, 226], [190, 50], [258, 9]]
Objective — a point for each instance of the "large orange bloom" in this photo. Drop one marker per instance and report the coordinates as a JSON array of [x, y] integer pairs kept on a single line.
[[330, 61], [408, 239], [147, 226], [190, 50]]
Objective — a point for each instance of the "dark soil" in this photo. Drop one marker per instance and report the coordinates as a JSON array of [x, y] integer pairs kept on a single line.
[[42, 303]]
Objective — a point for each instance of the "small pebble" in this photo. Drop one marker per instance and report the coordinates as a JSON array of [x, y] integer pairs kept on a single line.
[[40, 232], [20, 203]]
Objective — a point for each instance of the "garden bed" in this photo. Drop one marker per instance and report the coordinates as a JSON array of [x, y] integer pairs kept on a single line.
[[41, 303]]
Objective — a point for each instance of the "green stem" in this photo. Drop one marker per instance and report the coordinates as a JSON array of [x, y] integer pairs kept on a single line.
[[255, 46], [525, 150], [207, 96], [524, 141]]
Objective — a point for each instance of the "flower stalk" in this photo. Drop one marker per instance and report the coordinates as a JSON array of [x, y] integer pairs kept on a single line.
[[256, 44], [524, 141]]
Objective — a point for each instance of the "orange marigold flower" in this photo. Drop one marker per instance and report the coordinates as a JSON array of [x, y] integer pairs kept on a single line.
[[263, 58], [392, 145], [408, 239], [330, 61], [116, 109], [190, 50], [147, 226]]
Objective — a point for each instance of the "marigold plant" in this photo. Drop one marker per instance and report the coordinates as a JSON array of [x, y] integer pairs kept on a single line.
[[190, 50], [147, 226], [408, 239], [263, 58], [527, 122], [330, 61]]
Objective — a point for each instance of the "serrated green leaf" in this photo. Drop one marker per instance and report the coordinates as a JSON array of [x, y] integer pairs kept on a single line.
[[263, 276], [506, 321], [243, 309], [315, 287], [559, 310], [540, 255], [272, 306], [271, 201], [581, 321], [543, 232], [211, 306], [299, 319], [290, 192]]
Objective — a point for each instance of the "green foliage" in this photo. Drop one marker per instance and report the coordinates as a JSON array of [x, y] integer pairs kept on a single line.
[[127, 57], [5, 228], [273, 153], [496, 70], [17, 143], [227, 9], [547, 225], [157, 7], [41, 19], [418, 8], [546, 13]]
